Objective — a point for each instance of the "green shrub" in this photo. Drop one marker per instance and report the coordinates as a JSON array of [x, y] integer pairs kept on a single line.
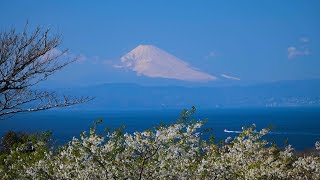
[[172, 151]]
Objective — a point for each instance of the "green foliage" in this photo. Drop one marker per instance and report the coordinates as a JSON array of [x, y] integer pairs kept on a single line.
[[20, 150], [173, 151]]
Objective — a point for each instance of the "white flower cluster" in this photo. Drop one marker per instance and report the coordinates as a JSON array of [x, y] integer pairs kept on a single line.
[[167, 152]]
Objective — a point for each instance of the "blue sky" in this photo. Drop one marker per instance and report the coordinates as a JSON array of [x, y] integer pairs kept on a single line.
[[253, 40]]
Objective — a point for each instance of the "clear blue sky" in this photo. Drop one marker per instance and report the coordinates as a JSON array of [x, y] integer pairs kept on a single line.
[[254, 40]]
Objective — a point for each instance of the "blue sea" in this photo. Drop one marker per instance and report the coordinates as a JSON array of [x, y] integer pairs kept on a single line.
[[300, 126]]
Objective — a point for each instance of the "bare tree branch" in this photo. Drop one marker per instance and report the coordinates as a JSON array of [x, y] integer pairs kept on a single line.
[[25, 60]]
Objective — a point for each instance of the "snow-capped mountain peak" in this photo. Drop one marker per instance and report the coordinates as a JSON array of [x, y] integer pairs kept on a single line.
[[150, 61]]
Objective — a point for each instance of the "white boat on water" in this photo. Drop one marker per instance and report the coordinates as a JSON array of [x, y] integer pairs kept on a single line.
[[227, 131]]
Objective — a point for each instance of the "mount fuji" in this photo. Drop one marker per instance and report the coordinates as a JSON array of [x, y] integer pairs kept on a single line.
[[150, 61]]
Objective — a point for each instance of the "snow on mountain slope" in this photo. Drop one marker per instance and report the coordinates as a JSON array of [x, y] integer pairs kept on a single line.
[[153, 62]]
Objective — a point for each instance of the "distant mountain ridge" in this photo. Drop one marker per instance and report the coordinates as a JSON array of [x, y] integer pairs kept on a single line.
[[134, 96]]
